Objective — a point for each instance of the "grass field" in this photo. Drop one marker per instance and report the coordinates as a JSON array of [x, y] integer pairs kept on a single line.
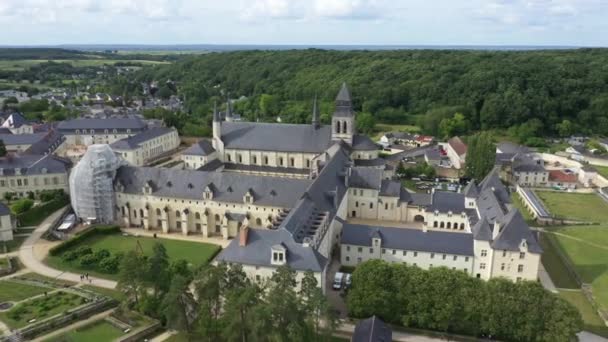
[[554, 265], [593, 322], [517, 203], [100, 331], [119, 296], [18, 65], [195, 253], [12, 245], [587, 248], [575, 206], [14, 291], [45, 279], [602, 170], [40, 308]]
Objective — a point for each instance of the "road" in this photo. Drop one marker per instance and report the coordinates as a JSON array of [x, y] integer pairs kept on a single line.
[[34, 250]]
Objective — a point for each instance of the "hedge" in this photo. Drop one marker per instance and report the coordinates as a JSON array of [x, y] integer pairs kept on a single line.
[[83, 235], [37, 214]]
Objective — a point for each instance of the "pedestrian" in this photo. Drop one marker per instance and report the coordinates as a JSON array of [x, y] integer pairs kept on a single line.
[[87, 275], [90, 281]]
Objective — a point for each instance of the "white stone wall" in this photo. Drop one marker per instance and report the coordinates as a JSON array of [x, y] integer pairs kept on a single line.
[[22, 184], [352, 255], [507, 264], [194, 162], [6, 228], [262, 273], [150, 149], [531, 178], [73, 139], [269, 158]]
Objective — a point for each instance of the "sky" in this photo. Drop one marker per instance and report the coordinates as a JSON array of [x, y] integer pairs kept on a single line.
[[305, 22]]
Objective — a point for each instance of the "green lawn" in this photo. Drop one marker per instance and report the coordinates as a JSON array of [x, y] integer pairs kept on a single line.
[[119, 296], [582, 207], [517, 203], [3, 262], [14, 291], [602, 170], [554, 265], [100, 331], [593, 322], [12, 245], [40, 308], [45, 279], [17, 65], [589, 256], [196, 253]]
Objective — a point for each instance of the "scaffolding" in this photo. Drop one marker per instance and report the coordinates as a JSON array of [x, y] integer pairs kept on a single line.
[[91, 185]]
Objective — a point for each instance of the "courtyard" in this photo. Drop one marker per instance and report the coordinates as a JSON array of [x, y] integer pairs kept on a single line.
[[99, 331], [40, 307]]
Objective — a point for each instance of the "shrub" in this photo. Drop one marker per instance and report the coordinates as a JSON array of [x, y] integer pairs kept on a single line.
[[102, 254], [88, 260], [49, 195], [110, 265], [22, 205], [69, 256], [38, 213], [83, 250]]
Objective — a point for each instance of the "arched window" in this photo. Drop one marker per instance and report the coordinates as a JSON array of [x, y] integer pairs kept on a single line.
[[177, 213], [258, 221], [292, 162], [307, 162], [141, 213], [280, 161], [157, 211], [435, 224], [197, 216], [442, 225], [254, 160], [239, 158], [461, 226], [337, 126], [344, 130], [449, 225], [228, 158], [265, 160], [217, 217]]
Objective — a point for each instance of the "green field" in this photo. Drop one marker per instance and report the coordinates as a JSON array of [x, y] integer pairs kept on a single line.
[[602, 170], [593, 322], [575, 206], [100, 331], [119, 296], [18, 65], [40, 308], [14, 291], [517, 203], [45, 279], [554, 265], [587, 248], [196, 253]]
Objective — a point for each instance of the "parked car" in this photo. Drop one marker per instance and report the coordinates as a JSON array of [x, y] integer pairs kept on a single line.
[[348, 279], [337, 285]]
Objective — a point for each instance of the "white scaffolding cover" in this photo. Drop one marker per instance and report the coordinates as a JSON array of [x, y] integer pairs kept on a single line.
[[91, 184]]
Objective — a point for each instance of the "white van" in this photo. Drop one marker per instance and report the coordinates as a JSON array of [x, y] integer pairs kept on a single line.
[[338, 281]]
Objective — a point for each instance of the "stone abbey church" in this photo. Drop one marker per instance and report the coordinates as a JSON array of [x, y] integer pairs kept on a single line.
[[296, 194]]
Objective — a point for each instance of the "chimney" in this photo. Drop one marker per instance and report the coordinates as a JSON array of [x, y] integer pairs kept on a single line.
[[243, 235]]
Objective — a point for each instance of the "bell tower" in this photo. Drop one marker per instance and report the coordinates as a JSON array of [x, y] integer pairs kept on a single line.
[[343, 120]]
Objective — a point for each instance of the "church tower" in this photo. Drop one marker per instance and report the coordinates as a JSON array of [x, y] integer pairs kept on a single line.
[[343, 120]]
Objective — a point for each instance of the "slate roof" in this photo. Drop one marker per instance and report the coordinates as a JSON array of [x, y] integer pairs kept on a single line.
[[370, 162], [276, 137], [492, 180], [4, 210], [444, 201], [201, 148], [390, 188], [132, 122], [226, 187], [259, 248], [212, 165], [410, 239], [49, 143], [489, 206], [365, 178], [31, 164], [133, 142], [21, 139], [513, 229], [372, 330], [471, 190], [482, 230], [421, 199], [363, 143], [15, 120], [343, 103]]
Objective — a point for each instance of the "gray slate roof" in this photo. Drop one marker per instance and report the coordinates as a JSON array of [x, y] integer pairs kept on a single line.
[[482, 230], [390, 188], [372, 329], [409, 239], [363, 143], [444, 201], [514, 229], [258, 251], [201, 148], [365, 178], [21, 139], [421, 199], [376, 162], [471, 190], [132, 122], [492, 181], [32, 164], [136, 140], [276, 137], [226, 187]]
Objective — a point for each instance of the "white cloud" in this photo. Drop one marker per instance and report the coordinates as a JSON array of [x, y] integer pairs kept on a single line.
[[347, 9], [277, 9]]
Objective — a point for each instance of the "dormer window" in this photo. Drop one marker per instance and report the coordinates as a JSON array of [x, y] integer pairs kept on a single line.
[[208, 193], [248, 198], [279, 255], [169, 184]]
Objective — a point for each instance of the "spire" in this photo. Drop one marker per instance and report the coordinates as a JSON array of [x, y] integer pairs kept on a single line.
[[315, 114], [343, 98], [216, 114]]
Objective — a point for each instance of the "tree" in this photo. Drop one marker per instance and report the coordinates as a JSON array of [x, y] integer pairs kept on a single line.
[[481, 155], [365, 123], [131, 275], [2, 148], [178, 305], [22, 205], [158, 269], [565, 128], [456, 125], [208, 285], [240, 297], [269, 104]]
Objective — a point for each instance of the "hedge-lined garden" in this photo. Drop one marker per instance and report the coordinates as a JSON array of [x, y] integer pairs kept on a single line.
[[451, 301], [51, 202]]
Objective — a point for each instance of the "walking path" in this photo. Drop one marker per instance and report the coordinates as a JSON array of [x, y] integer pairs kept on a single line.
[[34, 250], [178, 236], [164, 336], [545, 280], [76, 325], [4, 329]]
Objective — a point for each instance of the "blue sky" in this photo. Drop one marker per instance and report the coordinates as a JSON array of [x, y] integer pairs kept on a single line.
[[426, 22]]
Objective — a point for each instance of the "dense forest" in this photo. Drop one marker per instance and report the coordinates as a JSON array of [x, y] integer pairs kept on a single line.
[[63, 54], [532, 93]]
